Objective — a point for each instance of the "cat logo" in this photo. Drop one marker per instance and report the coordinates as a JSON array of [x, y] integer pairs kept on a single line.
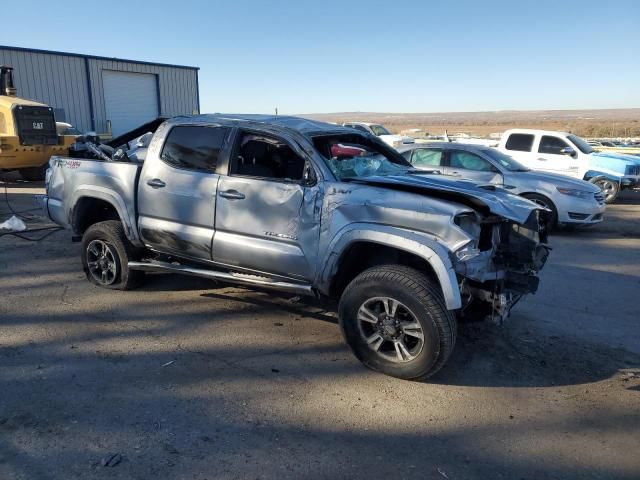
[[38, 125]]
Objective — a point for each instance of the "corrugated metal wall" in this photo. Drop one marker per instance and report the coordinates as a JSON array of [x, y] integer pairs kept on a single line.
[[60, 80], [57, 80]]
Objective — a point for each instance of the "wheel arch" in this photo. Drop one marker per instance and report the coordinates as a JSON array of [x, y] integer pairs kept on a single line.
[[97, 205], [388, 245], [591, 175]]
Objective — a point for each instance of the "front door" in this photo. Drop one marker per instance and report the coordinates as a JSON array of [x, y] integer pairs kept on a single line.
[[177, 191], [551, 159], [267, 219], [472, 167]]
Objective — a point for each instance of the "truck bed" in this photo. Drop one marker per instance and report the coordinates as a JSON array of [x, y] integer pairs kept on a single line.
[[70, 179]]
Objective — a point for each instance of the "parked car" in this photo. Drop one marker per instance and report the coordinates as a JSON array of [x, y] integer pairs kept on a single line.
[[381, 132], [262, 201], [570, 201], [570, 155]]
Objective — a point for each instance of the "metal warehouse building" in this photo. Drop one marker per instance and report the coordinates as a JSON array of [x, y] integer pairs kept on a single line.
[[105, 95]]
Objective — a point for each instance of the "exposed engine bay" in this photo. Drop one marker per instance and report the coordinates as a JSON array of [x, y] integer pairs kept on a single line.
[[502, 266]]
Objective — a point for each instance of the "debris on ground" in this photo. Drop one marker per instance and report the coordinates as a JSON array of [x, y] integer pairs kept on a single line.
[[14, 224]]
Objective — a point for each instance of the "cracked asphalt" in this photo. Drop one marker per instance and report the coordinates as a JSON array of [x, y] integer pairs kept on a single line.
[[190, 379]]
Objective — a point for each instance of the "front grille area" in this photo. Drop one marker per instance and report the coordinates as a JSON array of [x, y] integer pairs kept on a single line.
[[599, 197], [633, 170]]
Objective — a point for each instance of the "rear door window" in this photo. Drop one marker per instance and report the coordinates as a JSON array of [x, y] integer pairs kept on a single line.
[[194, 147], [552, 145], [423, 157], [521, 142]]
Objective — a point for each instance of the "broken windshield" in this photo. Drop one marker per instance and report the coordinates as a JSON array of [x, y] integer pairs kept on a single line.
[[353, 156]]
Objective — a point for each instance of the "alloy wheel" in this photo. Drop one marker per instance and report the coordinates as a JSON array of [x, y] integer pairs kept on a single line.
[[390, 329], [101, 260]]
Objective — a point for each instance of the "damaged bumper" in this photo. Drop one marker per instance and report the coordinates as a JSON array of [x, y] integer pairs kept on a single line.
[[508, 257]]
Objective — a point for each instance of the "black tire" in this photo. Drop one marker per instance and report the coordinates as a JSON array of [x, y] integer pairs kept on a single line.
[[416, 294], [119, 252], [34, 174], [610, 188], [552, 222]]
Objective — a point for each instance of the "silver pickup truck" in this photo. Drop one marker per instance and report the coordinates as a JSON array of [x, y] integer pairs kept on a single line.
[[310, 208]]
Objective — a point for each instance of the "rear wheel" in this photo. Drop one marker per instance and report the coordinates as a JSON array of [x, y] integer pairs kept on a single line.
[[35, 173], [549, 221], [395, 321], [610, 188], [106, 253]]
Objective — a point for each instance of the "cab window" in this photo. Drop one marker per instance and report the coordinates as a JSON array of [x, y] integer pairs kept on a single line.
[[194, 147], [469, 161], [520, 142], [552, 145], [266, 157], [423, 157]]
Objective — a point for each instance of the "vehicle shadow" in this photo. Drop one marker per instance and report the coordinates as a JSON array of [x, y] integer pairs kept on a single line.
[[488, 355]]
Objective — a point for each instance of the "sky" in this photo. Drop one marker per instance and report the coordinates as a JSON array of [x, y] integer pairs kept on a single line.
[[369, 56]]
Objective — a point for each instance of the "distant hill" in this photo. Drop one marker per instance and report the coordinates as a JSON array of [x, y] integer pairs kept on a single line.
[[623, 122]]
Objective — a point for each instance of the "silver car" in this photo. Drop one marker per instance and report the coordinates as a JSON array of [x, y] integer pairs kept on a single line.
[[571, 201]]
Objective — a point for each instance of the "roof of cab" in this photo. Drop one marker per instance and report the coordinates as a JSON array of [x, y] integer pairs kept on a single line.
[[302, 125]]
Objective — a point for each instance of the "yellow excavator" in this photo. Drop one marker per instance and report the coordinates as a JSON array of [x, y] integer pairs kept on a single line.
[[28, 135]]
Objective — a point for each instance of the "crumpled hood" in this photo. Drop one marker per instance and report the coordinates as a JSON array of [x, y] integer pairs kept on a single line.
[[497, 200], [618, 156], [558, 180]]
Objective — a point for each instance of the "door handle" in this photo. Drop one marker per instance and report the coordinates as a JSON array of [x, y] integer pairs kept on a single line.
[[542, 159], [232, 195], [156, 183]]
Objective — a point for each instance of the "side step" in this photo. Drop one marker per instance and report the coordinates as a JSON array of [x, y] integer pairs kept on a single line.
[[242, 279]]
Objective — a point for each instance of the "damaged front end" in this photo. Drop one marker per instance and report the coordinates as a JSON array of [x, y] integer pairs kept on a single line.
[[501, 264]]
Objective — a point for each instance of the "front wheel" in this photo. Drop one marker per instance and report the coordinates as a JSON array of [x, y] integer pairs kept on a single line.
[[549, 221], [610, 188], [106, 253], [396, 322]]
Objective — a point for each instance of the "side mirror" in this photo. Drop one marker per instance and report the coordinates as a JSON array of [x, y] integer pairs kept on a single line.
[[308, 175], [568, 151]]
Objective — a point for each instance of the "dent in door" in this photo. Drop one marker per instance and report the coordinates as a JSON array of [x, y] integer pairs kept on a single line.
[[275, 230]]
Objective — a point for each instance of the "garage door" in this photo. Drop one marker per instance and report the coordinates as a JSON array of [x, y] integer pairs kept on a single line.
[[131, 99]]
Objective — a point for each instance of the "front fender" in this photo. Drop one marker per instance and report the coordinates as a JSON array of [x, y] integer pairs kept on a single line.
[[424, 246], [591, 174]]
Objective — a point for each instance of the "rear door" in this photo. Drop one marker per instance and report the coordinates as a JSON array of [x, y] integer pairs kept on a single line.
[[472, 166], [177, 190], [551, 159], [267, 216]]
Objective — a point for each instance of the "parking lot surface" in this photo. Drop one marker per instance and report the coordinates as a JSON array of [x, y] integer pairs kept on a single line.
[[188, 379]]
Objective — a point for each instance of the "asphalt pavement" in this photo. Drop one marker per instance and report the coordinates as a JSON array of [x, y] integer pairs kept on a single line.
[[189, 379]]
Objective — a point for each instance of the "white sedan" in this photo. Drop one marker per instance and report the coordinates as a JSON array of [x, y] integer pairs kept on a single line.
[[571, 201]]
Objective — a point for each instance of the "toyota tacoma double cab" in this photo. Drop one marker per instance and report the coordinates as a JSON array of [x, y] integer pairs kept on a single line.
[[308, 208]]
